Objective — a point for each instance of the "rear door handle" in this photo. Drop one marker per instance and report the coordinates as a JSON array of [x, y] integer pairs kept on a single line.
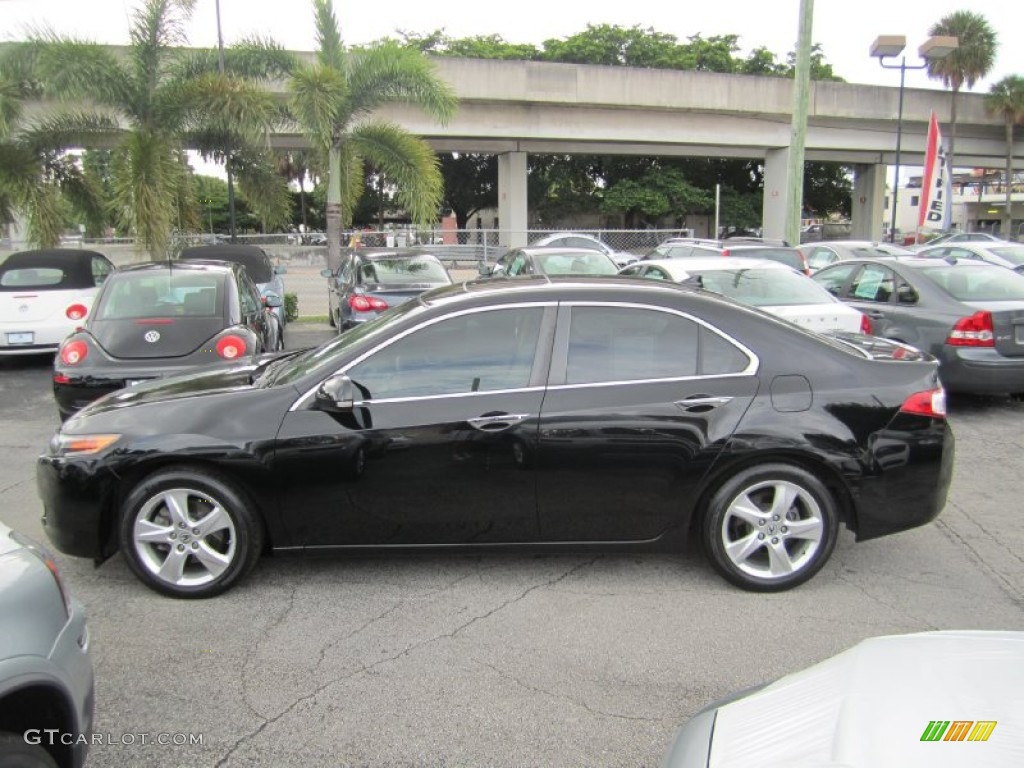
[[497, 422], [702, 402]]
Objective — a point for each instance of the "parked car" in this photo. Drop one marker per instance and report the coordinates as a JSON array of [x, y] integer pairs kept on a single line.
[[821, 255], [968, 314], [551, 261], [46, 675], [769, 285], [533, 411], [157, 319], [752, 248], [370, 281], [873, 706], [829, 230], [1004, 254], [257, 263], [960, 237], [45, 295], [587, 242]]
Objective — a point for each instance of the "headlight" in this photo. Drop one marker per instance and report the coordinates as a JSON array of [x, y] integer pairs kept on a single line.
[[80, 445]]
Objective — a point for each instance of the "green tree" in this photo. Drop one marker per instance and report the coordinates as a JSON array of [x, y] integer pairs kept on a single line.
[[155, 99], [333, 100], [1006, 98], [470, 185], [971, 61]]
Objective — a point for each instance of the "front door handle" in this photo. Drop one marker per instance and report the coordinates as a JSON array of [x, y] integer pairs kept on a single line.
[[700, 403], [497, 422]]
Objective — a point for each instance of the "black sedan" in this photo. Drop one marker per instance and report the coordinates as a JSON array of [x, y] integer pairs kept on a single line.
[[967, 314], [555, 413], [159, 319], [371, 281]]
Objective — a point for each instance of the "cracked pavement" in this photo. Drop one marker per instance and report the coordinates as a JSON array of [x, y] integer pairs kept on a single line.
[[503, 660]]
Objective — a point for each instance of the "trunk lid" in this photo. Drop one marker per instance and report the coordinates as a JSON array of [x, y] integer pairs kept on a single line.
[[154, 337]]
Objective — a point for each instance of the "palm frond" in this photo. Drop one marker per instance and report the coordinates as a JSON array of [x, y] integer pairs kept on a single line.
[[225, 103], [975, 54], [145, 170], [72, 69], [318, 95], [389, 73], [71, 130], [157, 26], [330, 48], [253, 58], [409, 162], [265, 190]]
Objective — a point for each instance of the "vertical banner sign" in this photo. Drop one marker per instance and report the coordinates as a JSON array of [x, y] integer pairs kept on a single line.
[[936, 186]]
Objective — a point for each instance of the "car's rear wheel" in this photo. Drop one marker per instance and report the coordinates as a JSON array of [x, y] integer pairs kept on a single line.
[[189, 533], [15, 752], [770, 527]]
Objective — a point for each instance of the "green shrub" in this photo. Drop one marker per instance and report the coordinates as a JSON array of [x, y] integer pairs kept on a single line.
[[291, 307]]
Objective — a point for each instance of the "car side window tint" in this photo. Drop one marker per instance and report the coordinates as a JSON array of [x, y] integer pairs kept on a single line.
[[248, 295], [625, 344], [874, 283], [820, 258], [656, 273], [101, 269], [476, 352], [835, 278], [719, 356]]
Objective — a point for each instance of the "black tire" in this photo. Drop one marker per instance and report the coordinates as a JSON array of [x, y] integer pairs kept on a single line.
[[211, 561], [15, 752], [771, 546]]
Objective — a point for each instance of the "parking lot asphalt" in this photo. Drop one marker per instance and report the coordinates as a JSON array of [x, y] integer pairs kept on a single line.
[[500, 660]]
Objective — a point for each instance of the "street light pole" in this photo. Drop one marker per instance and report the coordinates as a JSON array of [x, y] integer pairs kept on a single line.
[[890, 46]]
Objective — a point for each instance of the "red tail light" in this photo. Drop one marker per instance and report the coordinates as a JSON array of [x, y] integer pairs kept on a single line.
[[76, 311], [367, 304], [974, 331], [725, 251], [74, 352], [231, 347], [931, 402], [865, 325]]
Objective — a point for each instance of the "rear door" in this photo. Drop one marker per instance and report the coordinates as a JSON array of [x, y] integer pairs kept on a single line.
[[638, 403]]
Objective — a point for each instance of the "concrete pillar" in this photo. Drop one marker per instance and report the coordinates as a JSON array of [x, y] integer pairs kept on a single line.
[[776, 194], [868, 209], [512, 203]]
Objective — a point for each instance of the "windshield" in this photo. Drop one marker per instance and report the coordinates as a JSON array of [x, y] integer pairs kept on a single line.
[[764, 287], [788, 256], [415, 270], [983, 282], [1012, 253], [296, 367]]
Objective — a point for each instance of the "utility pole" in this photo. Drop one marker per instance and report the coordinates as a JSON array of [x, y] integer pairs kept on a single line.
[[798, 127]]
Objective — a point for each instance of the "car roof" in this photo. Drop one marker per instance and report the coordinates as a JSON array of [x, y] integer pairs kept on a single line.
[[252, 257], [916, 262], [222, 267], [54, 256], [547, 250], [713, 264]]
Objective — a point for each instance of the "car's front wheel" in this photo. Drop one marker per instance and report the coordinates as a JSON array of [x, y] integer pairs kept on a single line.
[[189, 532], [15, 752], [770, 527]]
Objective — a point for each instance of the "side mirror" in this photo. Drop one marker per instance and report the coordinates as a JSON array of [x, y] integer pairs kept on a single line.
[[335, 393], [280, 269], [326, 273], [272, 301], [484, 269]]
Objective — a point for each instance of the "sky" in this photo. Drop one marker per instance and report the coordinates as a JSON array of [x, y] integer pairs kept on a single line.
[[844, 28]]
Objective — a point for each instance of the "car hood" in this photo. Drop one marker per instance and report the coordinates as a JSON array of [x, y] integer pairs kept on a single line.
[[870, 706]]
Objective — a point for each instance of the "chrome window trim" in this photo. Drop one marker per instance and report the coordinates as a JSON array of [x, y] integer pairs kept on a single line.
[[418, 398], [311, 392]]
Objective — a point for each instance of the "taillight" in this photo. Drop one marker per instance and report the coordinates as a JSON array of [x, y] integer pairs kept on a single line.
[[367, 303], [231, 347], [74, 352], [76, 311], [865, 325], [974, 331], [725, 251], [931, 402]]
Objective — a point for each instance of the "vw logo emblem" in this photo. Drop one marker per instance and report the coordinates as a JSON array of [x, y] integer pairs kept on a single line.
[[152, 336], [23, 308]]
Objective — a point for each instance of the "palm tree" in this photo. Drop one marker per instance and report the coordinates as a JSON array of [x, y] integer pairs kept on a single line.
[[37, 183], [155, 100], [968, 63], [297, 166], [334, 99], [1007, 99]]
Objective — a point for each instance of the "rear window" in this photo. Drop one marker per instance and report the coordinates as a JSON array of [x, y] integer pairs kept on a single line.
[[765, 287], [167, 294], [594, 263], [404, 271], [35, 277], [1012, 253], [788, 256], [977, 283]]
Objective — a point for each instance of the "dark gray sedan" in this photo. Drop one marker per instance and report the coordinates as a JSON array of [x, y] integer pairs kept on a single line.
[[371, 281], [969, 315]]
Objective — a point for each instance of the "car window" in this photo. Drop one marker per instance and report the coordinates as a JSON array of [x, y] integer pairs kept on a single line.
[[765, 287], [963, 253], [165, 294], [37, 277], [977, 283], [575, 263], [476, 352], [1012, 253], [627, 344], [248, 295], [405, 271], [101, 269], [874, 283], [636, 270], [834, 278], [791, 257], [516, 265], [821, 257], [657, 273]]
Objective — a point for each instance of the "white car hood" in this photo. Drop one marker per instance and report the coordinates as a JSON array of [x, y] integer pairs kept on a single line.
[[869, 707], [820, 317]]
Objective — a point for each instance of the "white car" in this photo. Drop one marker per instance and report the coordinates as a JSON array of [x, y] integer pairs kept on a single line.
[[45, 295], [935, 699], [587, 242], [1004, 254], [768, 285]]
